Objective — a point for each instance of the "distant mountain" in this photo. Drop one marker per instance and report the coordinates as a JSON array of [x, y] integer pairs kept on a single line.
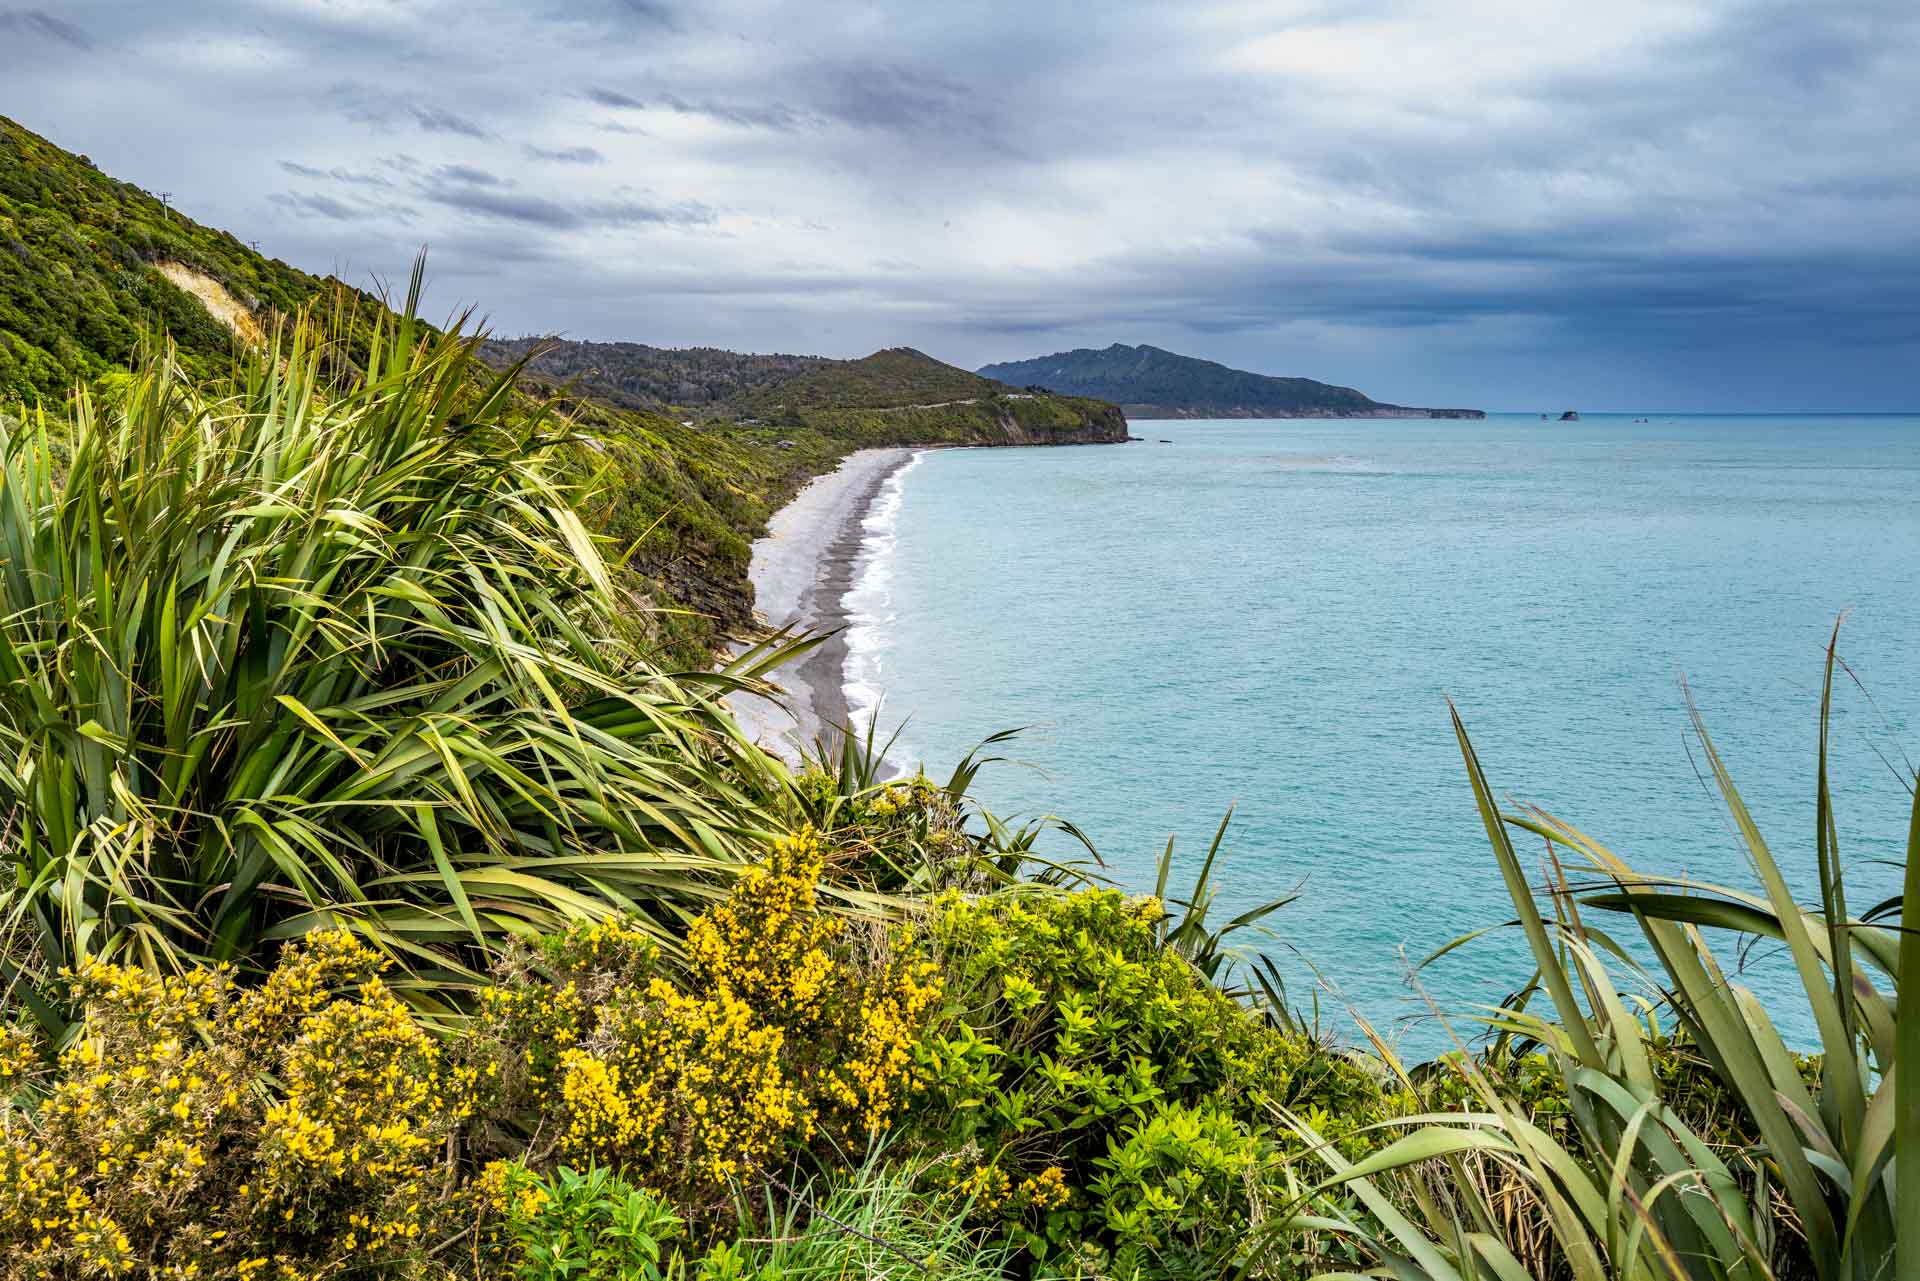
[[1147, 382]]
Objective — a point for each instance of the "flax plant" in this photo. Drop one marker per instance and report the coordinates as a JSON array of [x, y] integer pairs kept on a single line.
[[327, 643], [1830, 1171]]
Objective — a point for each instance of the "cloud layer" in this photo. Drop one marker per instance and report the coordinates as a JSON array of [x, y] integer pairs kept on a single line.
[[1522, 203]]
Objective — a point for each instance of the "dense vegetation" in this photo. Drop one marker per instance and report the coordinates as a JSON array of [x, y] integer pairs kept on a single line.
[[78, 279], [636, 376], [887, 379], [1149, 382], [377, 907]]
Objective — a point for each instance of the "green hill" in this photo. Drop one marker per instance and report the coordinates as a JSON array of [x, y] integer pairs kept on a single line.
[[1148, 382], [84, 263], [888, 379], [899, 396]]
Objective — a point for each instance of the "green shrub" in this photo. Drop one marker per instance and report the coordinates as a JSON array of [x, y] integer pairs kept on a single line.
[[195, 1128], [789, 1036], [1077, 1055], [594, 1226]]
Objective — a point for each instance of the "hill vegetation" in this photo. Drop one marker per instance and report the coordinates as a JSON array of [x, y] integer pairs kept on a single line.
[[82, 273], [1148, 382], [636, 376], [888, 379]]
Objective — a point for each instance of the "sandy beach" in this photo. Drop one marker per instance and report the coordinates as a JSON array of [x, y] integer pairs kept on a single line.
[[800, 572]]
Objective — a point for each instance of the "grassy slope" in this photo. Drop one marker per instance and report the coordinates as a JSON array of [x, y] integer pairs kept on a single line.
[[79, 287]]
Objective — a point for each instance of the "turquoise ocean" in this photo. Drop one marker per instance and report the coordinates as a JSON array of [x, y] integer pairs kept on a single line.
[[1272, 614]]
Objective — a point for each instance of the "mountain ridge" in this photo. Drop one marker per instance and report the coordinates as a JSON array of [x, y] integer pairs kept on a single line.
[[1152, 382]]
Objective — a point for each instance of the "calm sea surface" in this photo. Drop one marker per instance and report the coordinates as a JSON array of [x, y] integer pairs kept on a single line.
[[1271, 615]]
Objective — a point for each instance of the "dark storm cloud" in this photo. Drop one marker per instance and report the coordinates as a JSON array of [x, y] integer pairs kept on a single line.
[[38, 22], [1430, 199]]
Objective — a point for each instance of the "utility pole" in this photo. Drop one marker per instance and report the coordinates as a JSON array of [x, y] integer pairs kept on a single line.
[[166, 203]]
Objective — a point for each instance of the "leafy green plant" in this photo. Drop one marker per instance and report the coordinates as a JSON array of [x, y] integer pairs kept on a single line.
[[874, 1222], [1076, 1047], [288, 652], [591, 1225]]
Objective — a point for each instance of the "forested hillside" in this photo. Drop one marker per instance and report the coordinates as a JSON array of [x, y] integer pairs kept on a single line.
[[80, 272], [636, 376]]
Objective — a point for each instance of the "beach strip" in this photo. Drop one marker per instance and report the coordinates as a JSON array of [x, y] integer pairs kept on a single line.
[[801, 573]]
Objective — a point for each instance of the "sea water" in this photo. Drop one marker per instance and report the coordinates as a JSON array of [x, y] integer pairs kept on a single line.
[[1272, 615]]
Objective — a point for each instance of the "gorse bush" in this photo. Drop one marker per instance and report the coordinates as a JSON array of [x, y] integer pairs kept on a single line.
[[310, 1125], [197, 1128], [292, 651], [788, 1034]]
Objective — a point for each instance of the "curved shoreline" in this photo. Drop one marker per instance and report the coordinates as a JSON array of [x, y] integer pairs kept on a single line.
[[801, 572]]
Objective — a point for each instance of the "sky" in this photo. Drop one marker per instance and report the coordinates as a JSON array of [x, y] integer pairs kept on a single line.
[[1506, 204]]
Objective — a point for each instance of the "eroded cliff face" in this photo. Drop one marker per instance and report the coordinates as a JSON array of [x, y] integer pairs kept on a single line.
[[1096, 424]]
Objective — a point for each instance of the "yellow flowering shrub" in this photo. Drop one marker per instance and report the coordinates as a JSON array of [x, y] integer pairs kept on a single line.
[[198, 1129], [787, 1028]]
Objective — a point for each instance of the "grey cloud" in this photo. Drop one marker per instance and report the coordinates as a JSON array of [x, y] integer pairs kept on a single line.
[[470, 175], [1389, 193], [565, 155], [336, 174], [771, 115], [649, 11], [554, 215], [896, 97], [39, 22], [310, 204], [438, 120], [614, 98]]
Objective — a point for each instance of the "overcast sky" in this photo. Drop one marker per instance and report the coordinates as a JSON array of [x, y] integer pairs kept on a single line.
[[1504, 203]]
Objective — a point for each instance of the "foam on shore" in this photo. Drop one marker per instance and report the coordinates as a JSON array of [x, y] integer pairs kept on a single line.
[[802, 570], [868, 604]]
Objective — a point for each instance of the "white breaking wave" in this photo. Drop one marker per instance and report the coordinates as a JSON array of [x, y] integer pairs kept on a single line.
[[868, 604]]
